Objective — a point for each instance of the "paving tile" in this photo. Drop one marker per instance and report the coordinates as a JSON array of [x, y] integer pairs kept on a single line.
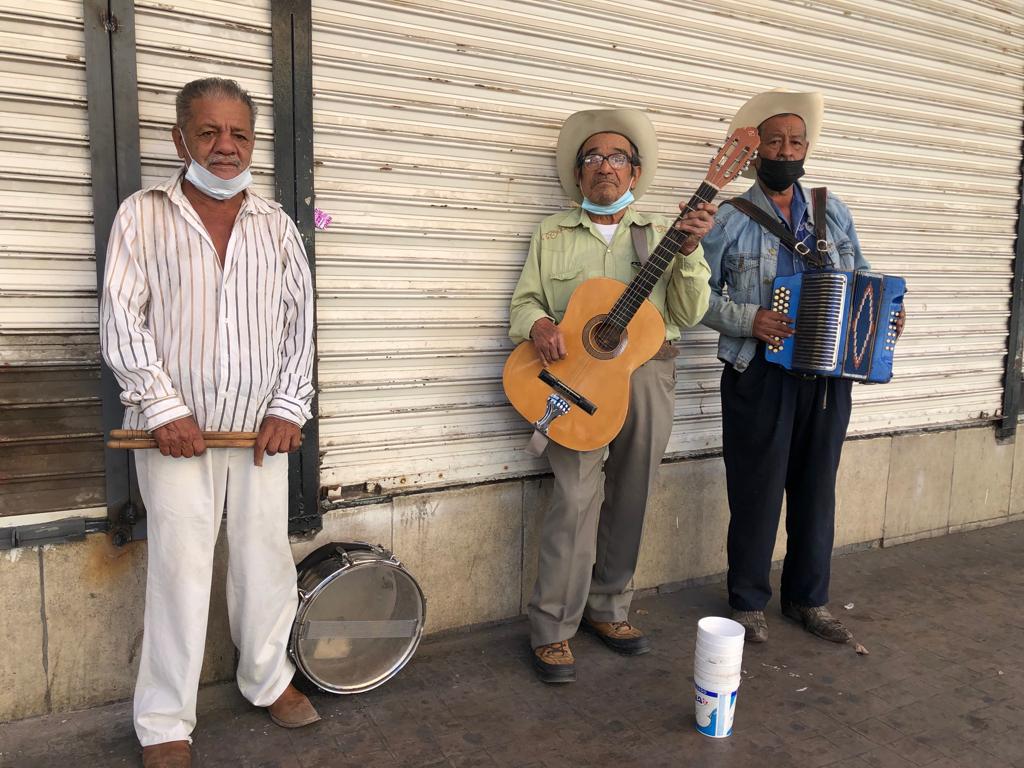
[[943, 686]]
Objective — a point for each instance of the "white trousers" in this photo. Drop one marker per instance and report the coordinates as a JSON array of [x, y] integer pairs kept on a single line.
[[184, 502]]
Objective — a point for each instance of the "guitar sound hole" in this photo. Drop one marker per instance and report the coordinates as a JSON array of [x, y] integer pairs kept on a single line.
[[603, 340], [606, 337]]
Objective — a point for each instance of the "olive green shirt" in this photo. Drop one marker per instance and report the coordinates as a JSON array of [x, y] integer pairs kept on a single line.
[[567, 249]]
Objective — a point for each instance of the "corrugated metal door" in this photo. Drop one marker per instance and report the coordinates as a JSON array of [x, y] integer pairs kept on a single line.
[[183, 40], [51, 453], [435, 128]]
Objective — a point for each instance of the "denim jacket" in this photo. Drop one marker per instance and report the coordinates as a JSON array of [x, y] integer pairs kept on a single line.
[[743, 258]]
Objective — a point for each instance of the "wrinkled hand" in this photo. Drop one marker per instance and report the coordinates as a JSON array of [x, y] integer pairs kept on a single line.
[[769, 326], [696, 223], [548, 341], [276, 436], [180, 438], [901, 320]]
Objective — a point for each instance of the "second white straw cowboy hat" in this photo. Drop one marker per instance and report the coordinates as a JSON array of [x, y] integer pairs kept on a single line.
[[808, 105], [580, 126]]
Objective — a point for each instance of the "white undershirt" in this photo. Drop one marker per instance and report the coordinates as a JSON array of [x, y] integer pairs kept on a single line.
[[607, 230]]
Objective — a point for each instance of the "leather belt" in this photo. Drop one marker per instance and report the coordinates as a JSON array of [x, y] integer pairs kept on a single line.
[[801, 375], [666, 352]]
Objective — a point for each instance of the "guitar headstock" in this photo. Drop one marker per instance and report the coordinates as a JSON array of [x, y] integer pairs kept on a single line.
[[734, 156]]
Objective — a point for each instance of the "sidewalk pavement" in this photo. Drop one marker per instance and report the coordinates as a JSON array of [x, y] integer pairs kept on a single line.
[[943, 686]]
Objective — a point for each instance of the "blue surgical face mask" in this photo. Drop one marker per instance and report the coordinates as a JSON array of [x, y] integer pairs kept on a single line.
[[213, 185], [607, 210]]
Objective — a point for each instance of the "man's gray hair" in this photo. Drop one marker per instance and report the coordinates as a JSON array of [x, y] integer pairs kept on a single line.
[[217, 87]]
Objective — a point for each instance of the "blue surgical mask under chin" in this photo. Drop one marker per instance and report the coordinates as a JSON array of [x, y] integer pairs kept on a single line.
[[212, 185], [607, 210]]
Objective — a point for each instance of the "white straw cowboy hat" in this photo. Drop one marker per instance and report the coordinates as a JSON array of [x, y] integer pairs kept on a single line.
[[580, 126], [810, 106]]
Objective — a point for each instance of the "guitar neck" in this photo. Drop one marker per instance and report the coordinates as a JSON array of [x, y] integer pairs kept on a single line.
[[639, 289]]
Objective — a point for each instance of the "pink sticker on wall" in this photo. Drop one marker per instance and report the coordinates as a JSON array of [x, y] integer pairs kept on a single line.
[[321, 220]]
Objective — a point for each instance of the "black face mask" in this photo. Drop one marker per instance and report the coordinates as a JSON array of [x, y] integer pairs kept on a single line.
[[779, 175]]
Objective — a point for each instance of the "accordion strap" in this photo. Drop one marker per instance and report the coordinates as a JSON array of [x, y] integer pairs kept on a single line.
[[819, 198], [816, 260]]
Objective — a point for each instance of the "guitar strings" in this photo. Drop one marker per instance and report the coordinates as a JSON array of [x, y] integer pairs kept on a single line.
[[643, 283], [651, 272], [632, 291]]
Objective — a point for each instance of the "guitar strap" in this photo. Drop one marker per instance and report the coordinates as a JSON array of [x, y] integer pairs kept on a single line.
[[636, 231], [538, 441]]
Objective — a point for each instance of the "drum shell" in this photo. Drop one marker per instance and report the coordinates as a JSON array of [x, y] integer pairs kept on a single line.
[[323, 572]]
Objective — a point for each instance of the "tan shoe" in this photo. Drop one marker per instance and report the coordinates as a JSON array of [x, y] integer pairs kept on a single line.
[[292, 709], [818, 621], [555, 663], [755, 625], [620, 636], [170, 754]]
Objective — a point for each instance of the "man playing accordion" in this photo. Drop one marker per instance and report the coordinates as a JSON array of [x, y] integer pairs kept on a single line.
[[781, 431]]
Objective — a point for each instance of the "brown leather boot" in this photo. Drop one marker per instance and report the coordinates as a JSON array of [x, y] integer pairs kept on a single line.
[[555, 663], [620, 636], [170, 754], [292, 709]]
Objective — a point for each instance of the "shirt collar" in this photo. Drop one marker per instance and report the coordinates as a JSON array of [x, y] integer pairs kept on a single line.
[[577, 217], [799, 204]]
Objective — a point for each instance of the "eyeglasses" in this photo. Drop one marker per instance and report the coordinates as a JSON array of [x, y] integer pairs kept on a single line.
[[617, 161]]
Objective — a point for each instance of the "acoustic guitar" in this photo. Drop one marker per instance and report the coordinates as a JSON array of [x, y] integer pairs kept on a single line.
[[610, 330]]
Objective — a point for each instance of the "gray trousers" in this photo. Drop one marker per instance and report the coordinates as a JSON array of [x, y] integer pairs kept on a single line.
[[588, 549]]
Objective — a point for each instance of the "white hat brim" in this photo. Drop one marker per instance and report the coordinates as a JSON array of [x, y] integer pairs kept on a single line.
[[580, 126], [810, 106]]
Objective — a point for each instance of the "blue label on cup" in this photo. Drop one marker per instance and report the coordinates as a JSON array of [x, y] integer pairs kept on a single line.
[[714, 711]]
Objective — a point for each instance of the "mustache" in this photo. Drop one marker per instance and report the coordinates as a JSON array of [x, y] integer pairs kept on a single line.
[[219, 158]]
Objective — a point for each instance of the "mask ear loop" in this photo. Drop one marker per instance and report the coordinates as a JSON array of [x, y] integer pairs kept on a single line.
[[185, 145]]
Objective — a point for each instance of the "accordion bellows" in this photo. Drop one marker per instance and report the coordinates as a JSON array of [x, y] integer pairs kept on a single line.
[[845, 324]]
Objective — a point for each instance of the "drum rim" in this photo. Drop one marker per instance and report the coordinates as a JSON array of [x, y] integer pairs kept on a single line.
[[306, 601]]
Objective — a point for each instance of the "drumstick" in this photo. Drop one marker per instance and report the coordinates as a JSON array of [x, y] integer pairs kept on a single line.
[[210, 443], [138, 434]]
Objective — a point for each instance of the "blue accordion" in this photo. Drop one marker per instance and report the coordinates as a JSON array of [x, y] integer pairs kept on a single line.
[[845, 324]]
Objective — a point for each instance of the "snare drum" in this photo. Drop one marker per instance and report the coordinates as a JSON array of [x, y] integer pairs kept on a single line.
[[360, 617]]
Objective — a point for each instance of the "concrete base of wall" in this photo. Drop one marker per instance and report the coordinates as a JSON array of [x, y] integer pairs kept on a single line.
[[73, 613]]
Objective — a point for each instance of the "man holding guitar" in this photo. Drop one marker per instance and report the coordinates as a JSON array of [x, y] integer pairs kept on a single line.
[[588, 552], [781, 431]]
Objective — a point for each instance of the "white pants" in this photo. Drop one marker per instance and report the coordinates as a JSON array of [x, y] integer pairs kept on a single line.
[[184, 503]]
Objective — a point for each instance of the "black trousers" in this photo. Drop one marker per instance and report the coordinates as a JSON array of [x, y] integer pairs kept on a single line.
[[781, 433]]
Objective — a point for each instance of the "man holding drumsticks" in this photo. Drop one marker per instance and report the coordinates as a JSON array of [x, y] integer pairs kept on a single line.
[[206, 321]]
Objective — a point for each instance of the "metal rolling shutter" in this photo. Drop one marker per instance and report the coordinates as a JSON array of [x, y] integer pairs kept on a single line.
[[435, 127], [183, 40], [51, 454]]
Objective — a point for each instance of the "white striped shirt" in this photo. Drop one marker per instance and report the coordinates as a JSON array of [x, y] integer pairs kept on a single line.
[[185, 336]]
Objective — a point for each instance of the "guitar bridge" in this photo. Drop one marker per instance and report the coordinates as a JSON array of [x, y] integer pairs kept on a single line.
[[556, 406], [567, 392]]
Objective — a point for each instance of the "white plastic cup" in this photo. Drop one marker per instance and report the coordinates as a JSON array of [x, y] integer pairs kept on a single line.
[[715, 678], [714, 707], [718, 630], [718, 646], [718, 658], [719, 672], [713, 656]]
